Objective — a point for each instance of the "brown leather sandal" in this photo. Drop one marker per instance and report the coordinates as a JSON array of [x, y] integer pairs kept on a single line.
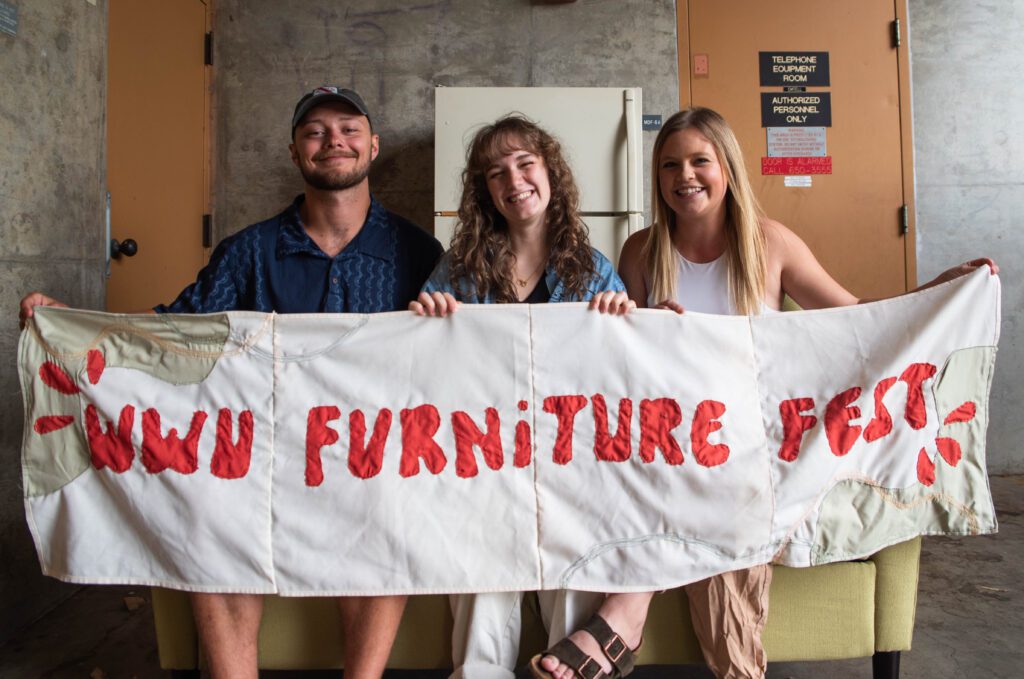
[[621, 657]]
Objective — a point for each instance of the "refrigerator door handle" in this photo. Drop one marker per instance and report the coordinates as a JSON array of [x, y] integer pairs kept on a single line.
[[634, 155]]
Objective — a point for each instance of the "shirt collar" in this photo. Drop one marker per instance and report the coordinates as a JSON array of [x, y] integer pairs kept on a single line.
[[373, 238]]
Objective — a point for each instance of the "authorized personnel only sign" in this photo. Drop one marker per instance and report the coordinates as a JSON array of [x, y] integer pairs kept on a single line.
[[796, 109]]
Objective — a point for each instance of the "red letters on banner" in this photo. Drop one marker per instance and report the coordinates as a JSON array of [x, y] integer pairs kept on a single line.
[[111, 448], [658, 417], [794, 425], [231, 460], [467, 435], [161, 452], [419, 425], [366, 457], [705, 422], [607, 447]]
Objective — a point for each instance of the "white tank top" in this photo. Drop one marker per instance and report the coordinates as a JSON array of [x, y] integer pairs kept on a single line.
[[704, 288]]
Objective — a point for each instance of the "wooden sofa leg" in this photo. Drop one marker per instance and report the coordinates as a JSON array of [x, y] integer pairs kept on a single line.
[[885, 665]]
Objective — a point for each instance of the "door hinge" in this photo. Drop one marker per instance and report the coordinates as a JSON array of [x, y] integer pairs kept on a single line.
[[904, 219], [896, 33], [208, 49], [207, 230]]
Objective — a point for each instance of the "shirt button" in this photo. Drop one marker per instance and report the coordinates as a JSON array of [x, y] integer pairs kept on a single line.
[[335, 280]]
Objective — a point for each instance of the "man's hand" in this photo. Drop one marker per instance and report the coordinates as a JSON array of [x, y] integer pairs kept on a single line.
[[32, 300]]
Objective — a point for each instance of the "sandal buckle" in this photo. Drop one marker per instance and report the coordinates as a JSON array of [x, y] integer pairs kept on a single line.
[[615, 648], [586, 671]]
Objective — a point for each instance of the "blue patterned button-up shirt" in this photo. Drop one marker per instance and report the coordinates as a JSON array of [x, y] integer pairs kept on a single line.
[[275, 266]]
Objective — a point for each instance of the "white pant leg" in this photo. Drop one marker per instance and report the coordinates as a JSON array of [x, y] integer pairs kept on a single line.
[[566, 610], [485, 637]]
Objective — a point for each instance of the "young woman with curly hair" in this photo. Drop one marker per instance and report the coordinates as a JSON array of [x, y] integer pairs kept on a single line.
[[519, 238]]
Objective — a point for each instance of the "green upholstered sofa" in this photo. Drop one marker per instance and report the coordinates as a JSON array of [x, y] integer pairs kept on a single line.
[[842, 610]]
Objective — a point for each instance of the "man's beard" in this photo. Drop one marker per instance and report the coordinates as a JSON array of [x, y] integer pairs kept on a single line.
[[336, 181]]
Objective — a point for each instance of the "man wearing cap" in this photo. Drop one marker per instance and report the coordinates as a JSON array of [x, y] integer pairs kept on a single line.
[[334, 249]]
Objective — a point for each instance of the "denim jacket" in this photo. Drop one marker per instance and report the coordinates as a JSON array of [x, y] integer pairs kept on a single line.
[[604, 279]]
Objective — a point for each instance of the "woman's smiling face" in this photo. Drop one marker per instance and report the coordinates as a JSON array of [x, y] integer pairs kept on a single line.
[[691, 177], [519, 186]]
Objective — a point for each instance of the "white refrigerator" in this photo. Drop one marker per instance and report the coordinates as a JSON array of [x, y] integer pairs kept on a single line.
[[598, 127]]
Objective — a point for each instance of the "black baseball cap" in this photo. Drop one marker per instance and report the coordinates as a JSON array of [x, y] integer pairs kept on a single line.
[[323, 95]]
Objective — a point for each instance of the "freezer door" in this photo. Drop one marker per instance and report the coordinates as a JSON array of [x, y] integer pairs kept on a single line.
[[607, 234], [598, 127]]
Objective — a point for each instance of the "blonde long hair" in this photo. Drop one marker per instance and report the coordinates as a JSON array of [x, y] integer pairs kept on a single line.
[[745, 243]]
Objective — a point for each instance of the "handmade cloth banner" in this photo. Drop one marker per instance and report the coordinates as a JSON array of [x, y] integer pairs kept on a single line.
[[505, 447]]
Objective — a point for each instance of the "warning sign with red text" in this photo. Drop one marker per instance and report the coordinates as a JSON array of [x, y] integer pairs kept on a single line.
[[790, 166]]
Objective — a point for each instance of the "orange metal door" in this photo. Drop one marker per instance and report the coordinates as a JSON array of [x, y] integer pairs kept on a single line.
[[157, 150], [852, 218]]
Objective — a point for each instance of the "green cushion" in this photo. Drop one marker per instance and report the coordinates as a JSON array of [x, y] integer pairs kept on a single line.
[[841, 610]]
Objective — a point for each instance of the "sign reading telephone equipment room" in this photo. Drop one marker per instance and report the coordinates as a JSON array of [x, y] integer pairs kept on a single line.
[[794, 68], [806, 109]]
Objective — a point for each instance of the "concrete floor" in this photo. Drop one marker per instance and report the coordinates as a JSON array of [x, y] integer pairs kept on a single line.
[[970, 621]]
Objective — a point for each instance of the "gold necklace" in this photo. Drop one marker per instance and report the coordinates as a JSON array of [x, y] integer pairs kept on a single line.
[[523, 282]]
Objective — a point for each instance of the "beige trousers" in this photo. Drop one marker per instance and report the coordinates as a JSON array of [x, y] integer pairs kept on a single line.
[[728, 613]]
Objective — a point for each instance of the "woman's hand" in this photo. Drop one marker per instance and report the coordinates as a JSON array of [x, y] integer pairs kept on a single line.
[[611, 302], [32, 300], [961, 270], [434, 304], [670, 305]]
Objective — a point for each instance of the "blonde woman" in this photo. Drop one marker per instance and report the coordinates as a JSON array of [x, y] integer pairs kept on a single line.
[[712, 250]]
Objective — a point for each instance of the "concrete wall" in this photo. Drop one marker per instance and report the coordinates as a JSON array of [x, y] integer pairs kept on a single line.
[[51, 229], [966, 60], [969, 155], [394, 53]]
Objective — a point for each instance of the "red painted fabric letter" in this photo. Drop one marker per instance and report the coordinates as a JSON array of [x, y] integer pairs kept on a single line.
[[110, 449], [231, 458], [658, 417], [881, 423], [705, 423], [56, 378], [606, 447], [838, 413], [794, 424], [318, 435], [916, 414], [162, 452], [524, 446], [925, 468], [365, 459], [565, 409], [419, 425], [949, 449], [467, 435]]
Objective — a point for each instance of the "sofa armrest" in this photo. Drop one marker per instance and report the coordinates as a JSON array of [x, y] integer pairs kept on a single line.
[[896, 577], [176, 636]]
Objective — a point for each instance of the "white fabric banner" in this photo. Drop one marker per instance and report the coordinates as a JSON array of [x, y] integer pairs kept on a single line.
[[506, 447]]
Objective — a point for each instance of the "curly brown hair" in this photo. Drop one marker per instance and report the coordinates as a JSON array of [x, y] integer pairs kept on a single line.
[[481, 251]]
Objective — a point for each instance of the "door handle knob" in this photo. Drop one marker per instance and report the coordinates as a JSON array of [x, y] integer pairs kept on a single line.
[[127, 247]]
